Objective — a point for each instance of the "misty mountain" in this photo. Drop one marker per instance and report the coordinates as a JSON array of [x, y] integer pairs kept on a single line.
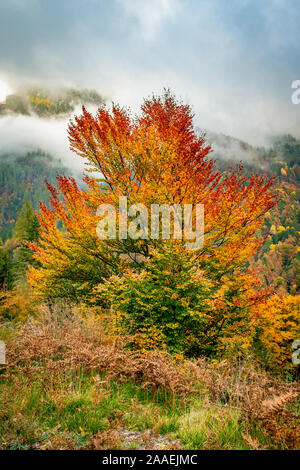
[[24, 177], [47, 103], [34, 146], [226, 147], [282, 151]]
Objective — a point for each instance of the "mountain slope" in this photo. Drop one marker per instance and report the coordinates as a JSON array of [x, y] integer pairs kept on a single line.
[[45, 103], [24, 177]]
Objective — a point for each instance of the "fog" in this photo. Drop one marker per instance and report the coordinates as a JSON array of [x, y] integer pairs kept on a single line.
[[227, 147], [21, 134], [233, 61]]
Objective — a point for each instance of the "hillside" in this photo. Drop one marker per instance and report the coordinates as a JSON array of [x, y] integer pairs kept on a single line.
[[279, 258], [24, 177], [184, 349], [69, 387], [23, 174], [46, 103]]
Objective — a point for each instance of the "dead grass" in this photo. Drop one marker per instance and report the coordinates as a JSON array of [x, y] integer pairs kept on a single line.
[[58, 344], [69, 346]]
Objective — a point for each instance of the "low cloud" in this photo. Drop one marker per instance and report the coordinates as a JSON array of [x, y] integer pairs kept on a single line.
[[227, 147], [233, 61], [22, 134], [150, 15]]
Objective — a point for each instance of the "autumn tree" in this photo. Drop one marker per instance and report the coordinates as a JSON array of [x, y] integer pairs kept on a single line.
[[155, 158], [15, 257], [277, 323]]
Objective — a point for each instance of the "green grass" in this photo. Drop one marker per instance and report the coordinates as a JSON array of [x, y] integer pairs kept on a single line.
[[206, 425], [68, 411]]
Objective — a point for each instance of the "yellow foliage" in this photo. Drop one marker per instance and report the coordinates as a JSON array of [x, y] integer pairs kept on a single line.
[[16, 305], [278, 319], [148, 339]]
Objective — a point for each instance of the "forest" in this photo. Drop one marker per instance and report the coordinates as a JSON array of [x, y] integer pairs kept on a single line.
[[180, 350]]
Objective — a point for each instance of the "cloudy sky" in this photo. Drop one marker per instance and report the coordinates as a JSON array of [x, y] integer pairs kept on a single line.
[[234, 61]]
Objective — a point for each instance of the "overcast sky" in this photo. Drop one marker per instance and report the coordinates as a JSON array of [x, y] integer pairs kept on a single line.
[[234, 61]]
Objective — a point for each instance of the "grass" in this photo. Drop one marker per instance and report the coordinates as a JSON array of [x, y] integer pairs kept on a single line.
[[79, 406], [71, 411], [210, 426], [67, 386]]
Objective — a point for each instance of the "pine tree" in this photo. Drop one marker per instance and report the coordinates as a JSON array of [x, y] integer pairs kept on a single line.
[[5, 266], [25, 230]]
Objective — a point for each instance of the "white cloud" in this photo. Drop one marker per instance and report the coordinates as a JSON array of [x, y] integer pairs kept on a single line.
[[233, 61], [21, 134], [5, 90], [150, 14]]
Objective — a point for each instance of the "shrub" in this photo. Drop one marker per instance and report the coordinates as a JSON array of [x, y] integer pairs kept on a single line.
[[172, 302]]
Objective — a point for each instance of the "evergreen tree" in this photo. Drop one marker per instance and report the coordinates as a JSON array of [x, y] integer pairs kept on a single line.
[[5, 266], [25, 230]]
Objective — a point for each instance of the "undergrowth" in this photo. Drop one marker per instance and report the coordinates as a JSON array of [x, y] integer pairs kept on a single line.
[[68, 385]]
